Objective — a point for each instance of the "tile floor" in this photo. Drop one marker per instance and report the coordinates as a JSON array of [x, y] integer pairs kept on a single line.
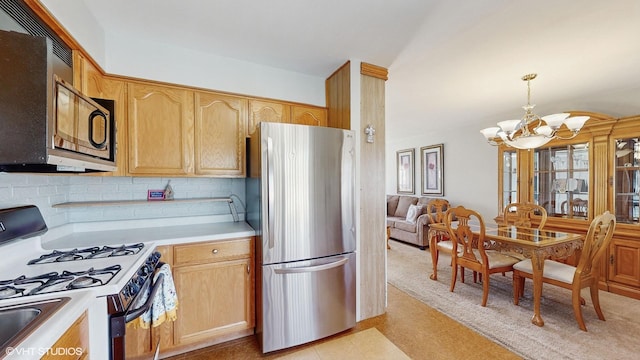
[[365, 344], [418, 330]]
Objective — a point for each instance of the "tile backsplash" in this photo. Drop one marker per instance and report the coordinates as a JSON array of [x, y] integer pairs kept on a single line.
[[47, 190]]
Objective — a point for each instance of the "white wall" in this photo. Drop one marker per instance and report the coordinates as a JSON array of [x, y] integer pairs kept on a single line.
[[470, 167], [128, 55], [47, 190]]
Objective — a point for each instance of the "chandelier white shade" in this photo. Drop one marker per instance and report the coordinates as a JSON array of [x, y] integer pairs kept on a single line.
[[532, 131]]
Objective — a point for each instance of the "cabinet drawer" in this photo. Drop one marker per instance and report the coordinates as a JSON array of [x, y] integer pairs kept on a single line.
[[212, 251]]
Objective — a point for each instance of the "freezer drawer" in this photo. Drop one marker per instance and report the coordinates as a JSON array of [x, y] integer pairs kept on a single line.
[[307, 300]]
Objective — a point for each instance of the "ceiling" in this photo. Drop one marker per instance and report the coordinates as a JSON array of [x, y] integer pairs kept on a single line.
[[451, 63]]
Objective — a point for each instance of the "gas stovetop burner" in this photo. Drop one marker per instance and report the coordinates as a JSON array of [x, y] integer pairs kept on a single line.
[[9, 291], [88, 253], [108, 270], [84, 282], [54, 281]]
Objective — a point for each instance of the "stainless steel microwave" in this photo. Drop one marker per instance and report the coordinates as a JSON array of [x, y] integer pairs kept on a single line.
[[48, 125], [82, 126]]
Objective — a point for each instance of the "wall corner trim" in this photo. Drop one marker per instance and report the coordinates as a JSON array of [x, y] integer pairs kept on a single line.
[[374, 71]]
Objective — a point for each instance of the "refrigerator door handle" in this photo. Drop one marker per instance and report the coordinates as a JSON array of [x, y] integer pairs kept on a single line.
[[271, 187], [304, 269]]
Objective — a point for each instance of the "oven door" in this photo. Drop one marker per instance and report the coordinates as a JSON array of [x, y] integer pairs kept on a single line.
[[118, 321]]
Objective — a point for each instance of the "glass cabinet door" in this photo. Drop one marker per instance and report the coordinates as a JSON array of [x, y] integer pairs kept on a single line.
[[509, 177], [627, 180], [561, 180]]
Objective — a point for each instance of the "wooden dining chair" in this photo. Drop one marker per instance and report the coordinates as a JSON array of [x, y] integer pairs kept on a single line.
[[578, 207], [523, 214], [436, 209], [470, 249], [586, 274]]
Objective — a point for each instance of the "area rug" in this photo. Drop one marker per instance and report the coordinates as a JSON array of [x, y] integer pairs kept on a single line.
[[509, 325], [368, 344]]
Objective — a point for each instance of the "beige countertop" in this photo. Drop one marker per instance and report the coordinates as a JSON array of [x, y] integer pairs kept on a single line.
[[159, 231]]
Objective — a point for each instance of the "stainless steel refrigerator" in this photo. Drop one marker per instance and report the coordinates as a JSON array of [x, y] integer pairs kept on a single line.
[[300, 200]]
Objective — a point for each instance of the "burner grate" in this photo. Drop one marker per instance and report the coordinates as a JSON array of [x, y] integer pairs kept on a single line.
[[88, 253], [53, 281]]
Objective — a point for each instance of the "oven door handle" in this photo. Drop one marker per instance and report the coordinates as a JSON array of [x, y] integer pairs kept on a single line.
[[136, 313]]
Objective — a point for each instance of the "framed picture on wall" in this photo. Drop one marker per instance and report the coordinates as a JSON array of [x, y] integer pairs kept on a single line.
[[406, 171], [432, 164]]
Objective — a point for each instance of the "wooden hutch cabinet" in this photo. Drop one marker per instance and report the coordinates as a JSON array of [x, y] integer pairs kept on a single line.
[[579, 178]]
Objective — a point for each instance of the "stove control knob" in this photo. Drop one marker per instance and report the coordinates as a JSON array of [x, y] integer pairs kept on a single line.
[[132, 289], [145, 270]]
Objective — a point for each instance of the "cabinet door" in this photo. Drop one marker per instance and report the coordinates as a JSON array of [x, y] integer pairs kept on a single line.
[[308, 115], [220, 135], [138, 343], [261, 110], [86, 77], [561, 180], [75, 341], [113, 89], [627, 180], [215, 299], [624, 258], [160, 125], [91, 82], [508, 178]]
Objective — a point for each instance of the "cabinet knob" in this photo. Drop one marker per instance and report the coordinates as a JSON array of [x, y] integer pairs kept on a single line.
[[214, 251]]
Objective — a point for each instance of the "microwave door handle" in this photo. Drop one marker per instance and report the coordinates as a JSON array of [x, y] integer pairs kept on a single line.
[[97, 114], [136, 313]]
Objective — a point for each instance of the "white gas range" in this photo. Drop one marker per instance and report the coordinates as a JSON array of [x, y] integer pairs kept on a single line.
[[117, 275]]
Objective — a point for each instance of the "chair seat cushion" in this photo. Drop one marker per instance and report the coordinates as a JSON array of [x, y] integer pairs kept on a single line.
[[445, 245], [552, 270], [496, 259]]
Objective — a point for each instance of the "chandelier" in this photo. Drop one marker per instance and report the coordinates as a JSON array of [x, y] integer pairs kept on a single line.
[[532, 131]]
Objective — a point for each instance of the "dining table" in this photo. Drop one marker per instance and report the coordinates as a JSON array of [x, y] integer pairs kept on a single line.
[[531, 243]]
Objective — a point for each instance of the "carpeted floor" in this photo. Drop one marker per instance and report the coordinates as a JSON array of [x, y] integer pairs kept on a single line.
[[509, 325]]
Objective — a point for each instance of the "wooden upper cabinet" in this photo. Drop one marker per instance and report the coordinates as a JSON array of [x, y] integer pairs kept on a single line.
[[220, 129], [86, 77], [91, 82], [270, 111], [308, 115], [160, 125]]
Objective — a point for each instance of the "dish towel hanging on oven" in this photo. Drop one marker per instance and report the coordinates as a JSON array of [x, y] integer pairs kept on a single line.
[[165, 303]]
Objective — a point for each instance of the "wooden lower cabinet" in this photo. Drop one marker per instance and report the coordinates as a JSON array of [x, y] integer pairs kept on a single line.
[[216, 298], [624, 271], [73, 344]]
